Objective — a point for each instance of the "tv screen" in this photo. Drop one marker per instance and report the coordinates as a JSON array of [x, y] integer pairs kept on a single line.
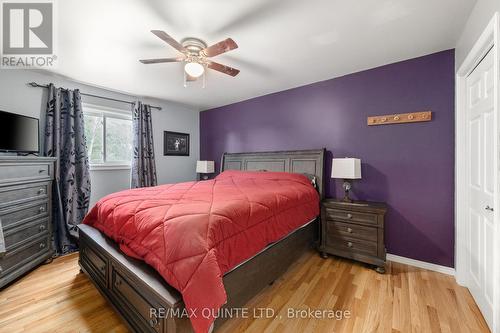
[[18, 133]]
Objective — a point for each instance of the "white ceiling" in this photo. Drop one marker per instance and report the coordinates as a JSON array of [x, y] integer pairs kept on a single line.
[[282, 43]]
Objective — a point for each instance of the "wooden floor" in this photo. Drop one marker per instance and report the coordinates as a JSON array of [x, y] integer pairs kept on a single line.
[[57, 298]]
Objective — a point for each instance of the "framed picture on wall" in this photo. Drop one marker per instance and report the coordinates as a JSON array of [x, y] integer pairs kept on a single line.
[[175, 144]]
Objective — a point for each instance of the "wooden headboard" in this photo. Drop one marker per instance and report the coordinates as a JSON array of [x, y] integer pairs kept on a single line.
[[307, 162]]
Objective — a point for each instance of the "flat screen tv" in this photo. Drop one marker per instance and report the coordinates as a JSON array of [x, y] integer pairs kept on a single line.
[[18, 134]]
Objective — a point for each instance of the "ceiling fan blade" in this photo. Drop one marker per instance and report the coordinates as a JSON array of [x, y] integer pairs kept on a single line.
[[169, 40], [221, 47], [159, 61], [223, 68]]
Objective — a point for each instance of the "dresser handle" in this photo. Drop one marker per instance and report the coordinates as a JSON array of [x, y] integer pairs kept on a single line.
[[103, 269], [489, 208], [42, 227], [42, 245], [41, 191], [349, 216], [349, 244], [349, 230], [41, 209], [118, 282], [41, 171], [153, 322]]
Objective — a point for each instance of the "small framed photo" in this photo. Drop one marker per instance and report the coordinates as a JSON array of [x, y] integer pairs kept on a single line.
[[175, 144]]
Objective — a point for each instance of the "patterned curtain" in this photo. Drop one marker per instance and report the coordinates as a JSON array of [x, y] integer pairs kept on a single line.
[[143, 163], [65, 139]]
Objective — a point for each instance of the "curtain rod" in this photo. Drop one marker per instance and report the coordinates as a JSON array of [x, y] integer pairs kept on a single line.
[[36, 85]]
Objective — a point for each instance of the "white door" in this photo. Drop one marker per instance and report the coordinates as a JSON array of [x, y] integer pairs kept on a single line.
[[481, 188]]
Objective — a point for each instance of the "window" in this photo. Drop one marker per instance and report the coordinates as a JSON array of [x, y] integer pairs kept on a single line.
[[109, 137]]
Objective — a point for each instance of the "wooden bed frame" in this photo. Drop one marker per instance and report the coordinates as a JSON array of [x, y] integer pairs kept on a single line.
[[137, 291]]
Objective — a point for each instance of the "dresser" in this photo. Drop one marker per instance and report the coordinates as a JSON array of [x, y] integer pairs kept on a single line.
[[354, 230], [25, 214]]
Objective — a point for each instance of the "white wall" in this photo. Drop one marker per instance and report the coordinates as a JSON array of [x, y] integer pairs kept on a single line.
[[477, 22], [17, 97], [105, 182]]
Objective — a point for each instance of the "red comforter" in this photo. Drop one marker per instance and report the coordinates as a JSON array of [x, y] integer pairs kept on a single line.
[[192, 233]]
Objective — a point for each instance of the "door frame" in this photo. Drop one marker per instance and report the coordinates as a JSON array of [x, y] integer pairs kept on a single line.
[[489, 39]]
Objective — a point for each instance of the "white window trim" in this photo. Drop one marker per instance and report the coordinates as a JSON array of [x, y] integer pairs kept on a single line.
[[109, 166], [97, 110]]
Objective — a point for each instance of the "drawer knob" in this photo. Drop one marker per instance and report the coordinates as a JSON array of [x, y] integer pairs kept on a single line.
[[349, 230], [349, 244], [41, 209], [42, 245], [153, 322], [41, 191], [103, 268], [349, 216], [118, 282], [42, 227]]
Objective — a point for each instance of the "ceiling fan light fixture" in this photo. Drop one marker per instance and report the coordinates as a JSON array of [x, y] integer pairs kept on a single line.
[[194, 69], [194, 56]]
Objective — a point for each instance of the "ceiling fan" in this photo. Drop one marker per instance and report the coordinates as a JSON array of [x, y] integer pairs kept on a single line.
[[195, 54]]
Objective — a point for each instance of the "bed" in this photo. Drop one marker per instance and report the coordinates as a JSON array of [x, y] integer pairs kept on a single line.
[[149, 304]]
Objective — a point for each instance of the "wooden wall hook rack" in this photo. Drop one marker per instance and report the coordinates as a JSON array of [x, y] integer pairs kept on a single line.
[[401, 118]]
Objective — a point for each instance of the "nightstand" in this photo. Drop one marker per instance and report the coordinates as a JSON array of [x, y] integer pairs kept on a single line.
[[354, 231]]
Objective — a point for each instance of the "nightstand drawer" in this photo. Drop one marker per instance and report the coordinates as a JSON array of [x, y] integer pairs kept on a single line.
[[344, 215], [336, 229], [353, 245]]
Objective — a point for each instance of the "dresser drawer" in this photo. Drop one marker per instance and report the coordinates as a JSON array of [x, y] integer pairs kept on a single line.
[[24, 254], [342, 230], [353, 245], [23, 193], [21, 214], [125, 291], [17, 236], [343, 215], [24, 171]]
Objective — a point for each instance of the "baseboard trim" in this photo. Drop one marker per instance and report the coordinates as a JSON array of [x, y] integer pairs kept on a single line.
[[421, 264]]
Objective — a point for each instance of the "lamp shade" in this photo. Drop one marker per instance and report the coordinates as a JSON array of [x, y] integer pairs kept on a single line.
[[346, 168], [205, 167]]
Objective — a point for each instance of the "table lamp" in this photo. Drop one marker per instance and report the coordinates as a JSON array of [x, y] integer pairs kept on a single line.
[[204, 168], [346, 169]]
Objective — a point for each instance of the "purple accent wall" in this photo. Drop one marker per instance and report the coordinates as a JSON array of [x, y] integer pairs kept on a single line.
[[409, 166]]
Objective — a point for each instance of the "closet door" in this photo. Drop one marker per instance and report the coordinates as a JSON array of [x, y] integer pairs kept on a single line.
[[480, 183]]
